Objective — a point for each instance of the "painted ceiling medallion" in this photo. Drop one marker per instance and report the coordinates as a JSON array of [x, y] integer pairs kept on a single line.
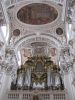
[[16, 32], [59, 31], [37, 14]]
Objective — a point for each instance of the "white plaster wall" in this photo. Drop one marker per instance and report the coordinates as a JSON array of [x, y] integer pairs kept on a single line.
[[5, 86], [69, 86], [1, 36]]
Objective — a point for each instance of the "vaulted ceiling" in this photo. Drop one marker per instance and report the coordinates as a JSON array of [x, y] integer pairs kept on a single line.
[[39, 27]]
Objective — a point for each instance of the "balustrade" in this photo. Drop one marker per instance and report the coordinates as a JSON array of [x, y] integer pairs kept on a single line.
[[39, 94]]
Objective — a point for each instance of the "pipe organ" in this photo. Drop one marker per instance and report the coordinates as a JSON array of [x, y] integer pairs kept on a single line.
[[38, 72]]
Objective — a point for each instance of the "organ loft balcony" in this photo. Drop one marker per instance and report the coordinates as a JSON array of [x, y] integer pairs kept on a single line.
[[37, 79]]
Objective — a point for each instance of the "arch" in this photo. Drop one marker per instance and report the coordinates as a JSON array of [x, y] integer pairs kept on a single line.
[[43, 37]]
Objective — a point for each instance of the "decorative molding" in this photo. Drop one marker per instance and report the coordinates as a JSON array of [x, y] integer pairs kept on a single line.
[[9, 64], [65, 59]]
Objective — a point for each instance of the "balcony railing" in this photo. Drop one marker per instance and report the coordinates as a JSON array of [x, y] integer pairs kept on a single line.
[[40, 94]]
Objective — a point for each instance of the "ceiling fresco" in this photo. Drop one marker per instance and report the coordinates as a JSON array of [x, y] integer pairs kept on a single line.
[[37, 14]]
